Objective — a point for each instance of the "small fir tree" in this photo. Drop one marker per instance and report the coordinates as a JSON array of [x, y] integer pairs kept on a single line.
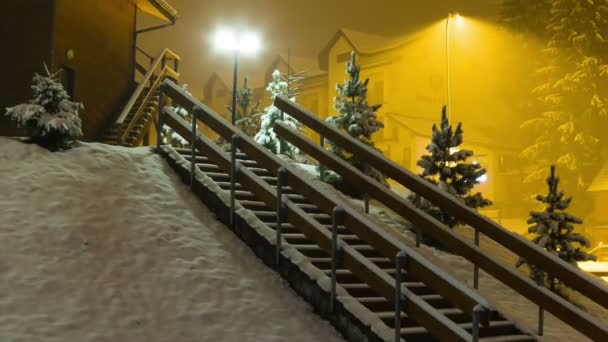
[[554, 231], [170, 137], [357, 118], [247, 116], [271, 114], [50, 118], [247, 113], [446, 167]]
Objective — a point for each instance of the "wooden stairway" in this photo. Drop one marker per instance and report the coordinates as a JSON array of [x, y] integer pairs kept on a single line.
[[113, 135], [499, 328]]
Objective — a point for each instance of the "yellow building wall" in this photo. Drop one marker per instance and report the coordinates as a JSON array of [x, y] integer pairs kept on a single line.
[[410, 81]]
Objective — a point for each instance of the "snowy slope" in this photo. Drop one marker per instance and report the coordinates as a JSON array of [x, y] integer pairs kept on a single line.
[[104, 243]]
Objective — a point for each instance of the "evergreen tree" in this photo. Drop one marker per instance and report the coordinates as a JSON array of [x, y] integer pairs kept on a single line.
[[50, 118], [554, 231], [446, 167], [525, 16], [572, 104], [357, 118], [247, 113], [271, 114], [170, 137]]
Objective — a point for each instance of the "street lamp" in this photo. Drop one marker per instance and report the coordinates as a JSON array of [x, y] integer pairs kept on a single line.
[[244, 42], [459, 20]]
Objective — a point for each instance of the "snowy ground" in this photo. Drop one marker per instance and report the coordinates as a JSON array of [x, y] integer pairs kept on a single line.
[[105, 243], [502, 297]]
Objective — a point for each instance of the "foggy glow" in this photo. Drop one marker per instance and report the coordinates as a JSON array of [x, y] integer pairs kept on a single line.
[[459, 19], [228, 40]]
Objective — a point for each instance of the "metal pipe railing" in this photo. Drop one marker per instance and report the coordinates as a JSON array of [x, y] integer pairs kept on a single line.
[[507, 274], [570, 275], [353, 260]]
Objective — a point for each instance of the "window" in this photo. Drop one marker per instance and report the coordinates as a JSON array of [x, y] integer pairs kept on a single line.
[[314, 106], [377, 93]]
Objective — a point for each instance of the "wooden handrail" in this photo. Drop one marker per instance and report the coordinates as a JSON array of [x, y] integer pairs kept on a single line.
[[570, 275], [428, 316], [561, 308], [444, 284], [155, 67], [165, 72]]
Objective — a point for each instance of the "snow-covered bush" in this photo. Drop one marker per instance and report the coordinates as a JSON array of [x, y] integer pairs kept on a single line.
[[50, 118], [170, 137], [271, 114]]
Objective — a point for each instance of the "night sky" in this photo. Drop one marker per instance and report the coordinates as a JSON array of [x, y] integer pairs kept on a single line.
[[305, 26]]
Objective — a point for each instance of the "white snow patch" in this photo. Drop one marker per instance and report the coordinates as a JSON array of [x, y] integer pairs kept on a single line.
[[105, 243]]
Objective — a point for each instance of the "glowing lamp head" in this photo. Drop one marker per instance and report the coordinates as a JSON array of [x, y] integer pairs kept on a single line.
[[459, 19], [227, 40], [249, 43]]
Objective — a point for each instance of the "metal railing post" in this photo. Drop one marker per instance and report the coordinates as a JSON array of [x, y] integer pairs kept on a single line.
[[281, 182], [337, 218], [541, 311], [321, 167], [281, 140], [475, 266], [477, 310], [400, 262], [159, 119], [192, 148], [366, 203], [418, 237], [234, 169]]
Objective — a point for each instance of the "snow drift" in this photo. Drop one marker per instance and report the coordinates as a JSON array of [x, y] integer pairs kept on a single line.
[[104, 243]]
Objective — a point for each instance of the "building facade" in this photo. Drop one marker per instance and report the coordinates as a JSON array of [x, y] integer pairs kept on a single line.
[[92, 43]]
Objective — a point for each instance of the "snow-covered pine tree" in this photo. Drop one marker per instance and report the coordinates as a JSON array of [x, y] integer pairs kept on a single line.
[[271, 114], [248, 117], [247, 113], [357, 118], [554, 231], [50, 118], [170, 137], [525, 16], [446, 167], [572, 106]]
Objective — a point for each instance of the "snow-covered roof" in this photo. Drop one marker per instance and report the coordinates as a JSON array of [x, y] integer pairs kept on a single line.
[[363, 43], [208, 88], [600, 182], [158, 8], [298, 64]]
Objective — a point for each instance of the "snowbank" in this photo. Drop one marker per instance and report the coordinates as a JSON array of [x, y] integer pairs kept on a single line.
[[104, 243]]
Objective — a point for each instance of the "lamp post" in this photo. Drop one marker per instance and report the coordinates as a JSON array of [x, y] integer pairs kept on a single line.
[[447, 57], [245, 42]]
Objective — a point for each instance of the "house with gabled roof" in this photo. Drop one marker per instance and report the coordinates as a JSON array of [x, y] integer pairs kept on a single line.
[[407, 76]]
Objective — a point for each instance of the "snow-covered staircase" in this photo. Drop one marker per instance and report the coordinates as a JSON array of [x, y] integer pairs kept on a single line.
[[132, 126], [135, 136], [499, 328], [434, 307]]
